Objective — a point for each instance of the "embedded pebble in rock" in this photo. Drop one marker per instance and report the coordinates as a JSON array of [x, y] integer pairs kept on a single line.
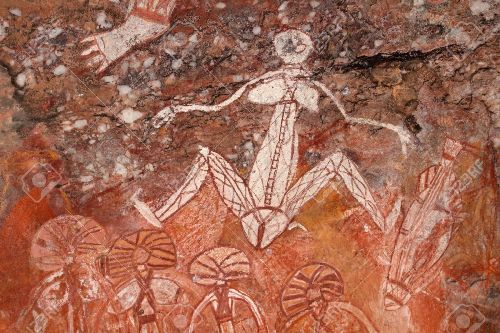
[[220, 5], [148, 62], [124, 90], [156, 84], [340, 151], [102, 21], [237, 78], [177, 64], [21, 80], [60, 70], [103, 128], [55, 32], [79, 124], [283, 6], [15, 12], [110, 79], [86, 179], [479, 7], [314, 4], [129, 115]]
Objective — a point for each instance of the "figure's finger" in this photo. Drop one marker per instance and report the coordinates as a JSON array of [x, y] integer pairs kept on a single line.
[[102, 68], [90, 50], [155, 4], [88, 40], [136, 194], [142, 4], [97, 60]]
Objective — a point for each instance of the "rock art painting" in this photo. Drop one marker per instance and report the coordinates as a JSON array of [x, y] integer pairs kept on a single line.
[[312, 297], [267, 203], [249, 166]]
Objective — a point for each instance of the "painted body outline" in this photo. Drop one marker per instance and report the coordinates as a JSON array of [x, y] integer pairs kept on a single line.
[[217, 268], [426, 231], [268, 201]]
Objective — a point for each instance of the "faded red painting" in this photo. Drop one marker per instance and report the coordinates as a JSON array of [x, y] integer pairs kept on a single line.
[[249, 166]]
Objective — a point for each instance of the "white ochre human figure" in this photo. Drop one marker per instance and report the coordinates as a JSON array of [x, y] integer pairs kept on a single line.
[[146, 20], [267, 202]]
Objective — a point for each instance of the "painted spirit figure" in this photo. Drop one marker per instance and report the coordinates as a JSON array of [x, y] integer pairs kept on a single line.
[[313, 301], [268, 201], [217, 268], [426, 231], [66, 246], [141, 267]]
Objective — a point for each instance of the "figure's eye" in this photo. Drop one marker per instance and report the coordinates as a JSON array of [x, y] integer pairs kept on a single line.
[[289, 46]]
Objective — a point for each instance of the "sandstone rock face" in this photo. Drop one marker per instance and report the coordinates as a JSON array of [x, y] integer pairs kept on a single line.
[[329, 166]]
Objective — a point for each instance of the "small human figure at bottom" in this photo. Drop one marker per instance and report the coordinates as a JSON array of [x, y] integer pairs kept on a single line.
[[312, 302], [216, 268]]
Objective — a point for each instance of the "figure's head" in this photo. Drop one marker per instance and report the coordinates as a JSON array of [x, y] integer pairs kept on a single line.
[[293, 46]]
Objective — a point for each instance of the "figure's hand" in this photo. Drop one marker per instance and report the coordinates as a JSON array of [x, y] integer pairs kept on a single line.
[[163, 117], [406, 140], [159, 11], [105, 48], [146, 21], [102, 50], [405, 137]]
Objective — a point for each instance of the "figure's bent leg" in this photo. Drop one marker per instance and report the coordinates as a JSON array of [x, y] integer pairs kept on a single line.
[[231, 187], [167, 206], [235, 194], [316, 179], [261, 225]]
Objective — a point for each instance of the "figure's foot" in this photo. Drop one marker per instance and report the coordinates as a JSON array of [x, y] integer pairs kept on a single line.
[[386, 224], [145, 210], [296, 225]]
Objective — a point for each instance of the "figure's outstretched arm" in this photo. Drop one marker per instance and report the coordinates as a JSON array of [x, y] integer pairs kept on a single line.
[[167, 114], [146, 20], [404, 136]]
